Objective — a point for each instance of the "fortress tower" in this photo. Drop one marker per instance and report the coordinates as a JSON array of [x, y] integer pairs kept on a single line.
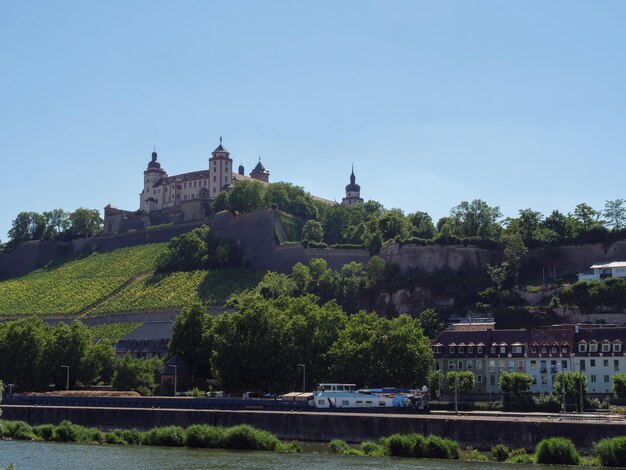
[[353, 192], [149, 199], [220, 170]]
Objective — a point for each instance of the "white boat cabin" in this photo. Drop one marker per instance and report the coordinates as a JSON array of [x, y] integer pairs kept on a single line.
[[345, 396]]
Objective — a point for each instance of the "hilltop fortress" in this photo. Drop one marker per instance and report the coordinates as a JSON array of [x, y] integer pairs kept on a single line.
[[187, 197]]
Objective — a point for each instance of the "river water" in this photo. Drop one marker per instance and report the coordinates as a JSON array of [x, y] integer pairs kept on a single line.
[[53, 456]]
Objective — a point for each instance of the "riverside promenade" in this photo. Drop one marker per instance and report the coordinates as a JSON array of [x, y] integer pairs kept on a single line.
[[479, 430]]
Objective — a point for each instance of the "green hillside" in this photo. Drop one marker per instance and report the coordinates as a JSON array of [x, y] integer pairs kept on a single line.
[[175, 290], [113, 332], [71, 287]]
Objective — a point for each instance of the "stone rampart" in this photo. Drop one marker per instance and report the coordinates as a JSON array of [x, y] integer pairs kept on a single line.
[[430, 258]]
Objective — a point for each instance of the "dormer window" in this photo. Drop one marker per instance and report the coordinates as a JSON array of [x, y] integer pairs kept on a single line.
[[555, 349], [565, 348], [479, 349], [461, 349], [533, 349], [437, 349], [593, 346], [606, 346], [517, 349], [617, 346], [470, 349], [544, 349], [582, 346], [502, 348], [451, 350]]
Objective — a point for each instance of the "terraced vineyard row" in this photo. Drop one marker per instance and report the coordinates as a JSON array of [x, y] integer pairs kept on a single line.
[[113, 332], [175, 290], [73, 286]]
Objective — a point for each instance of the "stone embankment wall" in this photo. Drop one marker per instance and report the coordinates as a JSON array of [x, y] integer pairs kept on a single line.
[[432, 258], [480, 432]]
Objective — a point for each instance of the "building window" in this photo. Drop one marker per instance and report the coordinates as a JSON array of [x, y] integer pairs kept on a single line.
[[479, 379], [461, 349], [492, 366], [593, 378], [593, 346], [582, 365], [563, 365], [511, 366], [493, 349], [479, 365], [533, 349], [606, 379], [617, 346], [451, 365], [582, 346], [451, 350], [470, 364], [502, 349], [564, 348], [492, 380], [517, 350], [606, 346], [555, 349], [479, 349], [615, 365], [460, 365], [470, 349], [533, 365], [544, 349], [592, 362], [605, 363], [520, 366], [437, 349]]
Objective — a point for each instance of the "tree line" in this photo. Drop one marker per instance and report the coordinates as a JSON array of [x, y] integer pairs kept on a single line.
[[34, 356], [56, 224]]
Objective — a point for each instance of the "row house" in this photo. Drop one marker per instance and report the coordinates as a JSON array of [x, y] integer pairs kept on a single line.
[[594, 350], [540, 353]]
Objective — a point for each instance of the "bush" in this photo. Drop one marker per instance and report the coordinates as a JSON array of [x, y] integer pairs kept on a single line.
[[371, 448], [521, 458], [167, 436], [113, 437], [438, 448], [500, 452], [557, 451], [68, 432], [45, 432], [133, 437], [200, 435], [291, 447], [20, 431], [406, 445], [474, 455], [337, 446], [245, 437], [611, 452]]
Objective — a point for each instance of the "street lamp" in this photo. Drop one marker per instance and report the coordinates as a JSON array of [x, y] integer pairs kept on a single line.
[[175, 377], [67, 378], [563, 406], [580, 385], [303, 377], [456, 393]]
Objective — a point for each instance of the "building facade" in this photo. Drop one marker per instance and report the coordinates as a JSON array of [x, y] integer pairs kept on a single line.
[[597, 272], [596, 351]]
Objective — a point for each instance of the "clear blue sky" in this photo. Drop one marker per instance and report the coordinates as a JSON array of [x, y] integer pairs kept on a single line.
[[522, 104]]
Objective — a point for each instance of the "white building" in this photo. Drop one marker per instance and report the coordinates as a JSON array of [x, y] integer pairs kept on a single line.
[[601, 271]]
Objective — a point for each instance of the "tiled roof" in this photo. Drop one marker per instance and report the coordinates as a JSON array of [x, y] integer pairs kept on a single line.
[[193, 175]]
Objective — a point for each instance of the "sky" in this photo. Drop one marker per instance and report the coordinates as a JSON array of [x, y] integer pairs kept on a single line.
[[521, 104]]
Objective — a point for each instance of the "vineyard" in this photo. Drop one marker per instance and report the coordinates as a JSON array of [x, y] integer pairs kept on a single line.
[[71, 287], [175, 290], [113, 332]]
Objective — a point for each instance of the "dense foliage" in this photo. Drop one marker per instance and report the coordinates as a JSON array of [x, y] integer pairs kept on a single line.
[[619, 385], [259, 346], [76, 285], [198, 249], [588, 295], [557, 451], [611, 452], [55, 224]]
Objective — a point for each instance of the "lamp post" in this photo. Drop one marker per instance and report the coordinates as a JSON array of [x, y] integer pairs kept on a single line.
[[303, 377], [456, 393], [67, 378], [563, 406], [175, 377], [580, 385]]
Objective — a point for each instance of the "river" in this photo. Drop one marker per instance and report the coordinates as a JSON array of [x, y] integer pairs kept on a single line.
[[57, 456]]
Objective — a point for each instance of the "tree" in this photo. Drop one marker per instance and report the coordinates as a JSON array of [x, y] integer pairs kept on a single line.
[[586, 216], [431, 323], [575, 383], [312, 231], [26, 226], [615, 213], [245, 196], [475, 219], [68, 345], [85, 222], [136, 374], [619, 385], [56, 222], [191, 340], [422, 223], [98, 364], [375, 269], [515, 385], [460, 381], [557, 222], [393, 224], [221, 202], [186, 252], [374, 351]]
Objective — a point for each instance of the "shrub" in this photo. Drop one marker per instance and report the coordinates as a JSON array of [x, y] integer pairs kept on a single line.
[[291, 447], [3, 430], [611, 452], [406, 445], [557, 451], [95, 435], [200, 435], [133, 436], [45, 432], [371, 448], [245, 437], [438, 448], [68, 432], [474, 455], [521, 458], [500, 452], [167, 436], [20, 430], [113, 437], [337, 446]]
